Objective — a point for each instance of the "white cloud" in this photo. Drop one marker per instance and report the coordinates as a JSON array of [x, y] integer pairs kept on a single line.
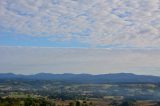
[[119, 23]]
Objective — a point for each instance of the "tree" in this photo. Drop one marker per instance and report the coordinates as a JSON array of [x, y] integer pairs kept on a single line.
[[71, 104], [78, 103], [128, 103]]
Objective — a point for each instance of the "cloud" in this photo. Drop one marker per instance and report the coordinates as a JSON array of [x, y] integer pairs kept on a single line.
[[29, 60], [120, 23]]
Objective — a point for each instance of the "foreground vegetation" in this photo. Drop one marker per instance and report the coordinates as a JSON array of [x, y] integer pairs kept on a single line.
[[48, 102], [59, 93], [25, 102]]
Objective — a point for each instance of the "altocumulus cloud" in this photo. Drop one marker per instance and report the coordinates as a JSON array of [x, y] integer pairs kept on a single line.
[[120, 23]]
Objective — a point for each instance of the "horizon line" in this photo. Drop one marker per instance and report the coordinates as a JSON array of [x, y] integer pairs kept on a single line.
[[77, 73]]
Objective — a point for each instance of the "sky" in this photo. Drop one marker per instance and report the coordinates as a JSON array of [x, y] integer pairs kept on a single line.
[[80, 36]]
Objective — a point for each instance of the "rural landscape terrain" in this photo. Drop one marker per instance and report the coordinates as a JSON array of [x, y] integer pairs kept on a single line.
[[45, 89], [79, 52]]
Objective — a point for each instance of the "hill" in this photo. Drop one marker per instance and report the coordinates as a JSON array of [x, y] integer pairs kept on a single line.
[[85, 78]]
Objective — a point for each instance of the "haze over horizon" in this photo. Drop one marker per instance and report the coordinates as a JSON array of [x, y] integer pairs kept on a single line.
[[80, 36]]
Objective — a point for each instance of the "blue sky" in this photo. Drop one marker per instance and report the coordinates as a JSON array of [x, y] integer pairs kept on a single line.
[[14, 39], [81, 25]]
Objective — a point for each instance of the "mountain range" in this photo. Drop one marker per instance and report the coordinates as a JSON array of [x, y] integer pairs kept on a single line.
[[85, 78]]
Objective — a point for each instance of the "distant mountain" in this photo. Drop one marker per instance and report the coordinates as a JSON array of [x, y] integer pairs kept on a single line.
[[85, 78]]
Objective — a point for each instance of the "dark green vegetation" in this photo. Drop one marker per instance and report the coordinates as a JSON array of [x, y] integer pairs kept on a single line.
[[40, 101], [25, 102], [72, 90]]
